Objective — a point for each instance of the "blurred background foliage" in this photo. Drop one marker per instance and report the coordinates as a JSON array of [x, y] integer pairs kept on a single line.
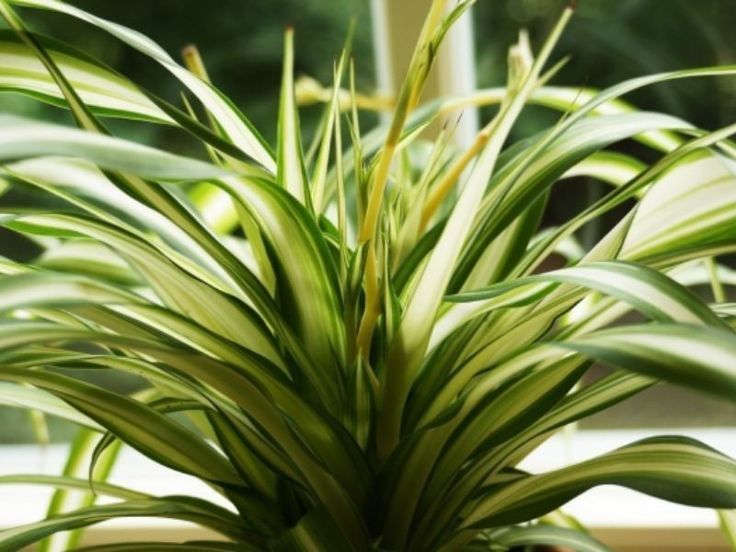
[[241, 44], [614, 40]]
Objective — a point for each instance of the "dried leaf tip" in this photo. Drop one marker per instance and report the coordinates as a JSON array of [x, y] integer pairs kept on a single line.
[[189, 49]]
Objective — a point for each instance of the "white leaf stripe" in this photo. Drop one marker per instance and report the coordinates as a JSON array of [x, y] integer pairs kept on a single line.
[[25, 138], [644, 288], [178, 290], [291, 174], [301, 255], [694, 249], [611, 167], [700, 357], [676, 469], [511, 410], [85, 186], [98, 87], [543, 161], [566, 99], [35, 399], [22, 71], [692, 199]]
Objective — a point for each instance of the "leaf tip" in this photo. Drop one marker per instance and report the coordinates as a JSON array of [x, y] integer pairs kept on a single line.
[[189, 49]]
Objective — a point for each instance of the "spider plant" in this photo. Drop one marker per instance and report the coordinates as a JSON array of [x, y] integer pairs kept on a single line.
[[362, 338]]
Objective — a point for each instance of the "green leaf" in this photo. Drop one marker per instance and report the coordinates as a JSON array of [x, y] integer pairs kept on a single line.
[[308, 286], [652, 293], [408, 347], [105, 91], [72, 483], [291, 172], [589, 400], [327, 483], [24, 138], [78, 465], [138, 425], [546, 535], [675, 469], [31, 398], [728, 525], [698, 357], [182, 508], [148, 192], [693, 204], [314, 531], [511, 191], [181, 292], [84, 186], [192, 546], [335, 399], [647, 290], [232, 122]]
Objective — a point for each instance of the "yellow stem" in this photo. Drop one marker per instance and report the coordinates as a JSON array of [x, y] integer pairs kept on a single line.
[[440, 191], [376, 194], [719, 294], [411, 90], [372, 305], [193, 61]]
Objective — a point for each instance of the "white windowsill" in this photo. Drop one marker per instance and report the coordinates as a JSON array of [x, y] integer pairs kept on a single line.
[[617, 515]]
